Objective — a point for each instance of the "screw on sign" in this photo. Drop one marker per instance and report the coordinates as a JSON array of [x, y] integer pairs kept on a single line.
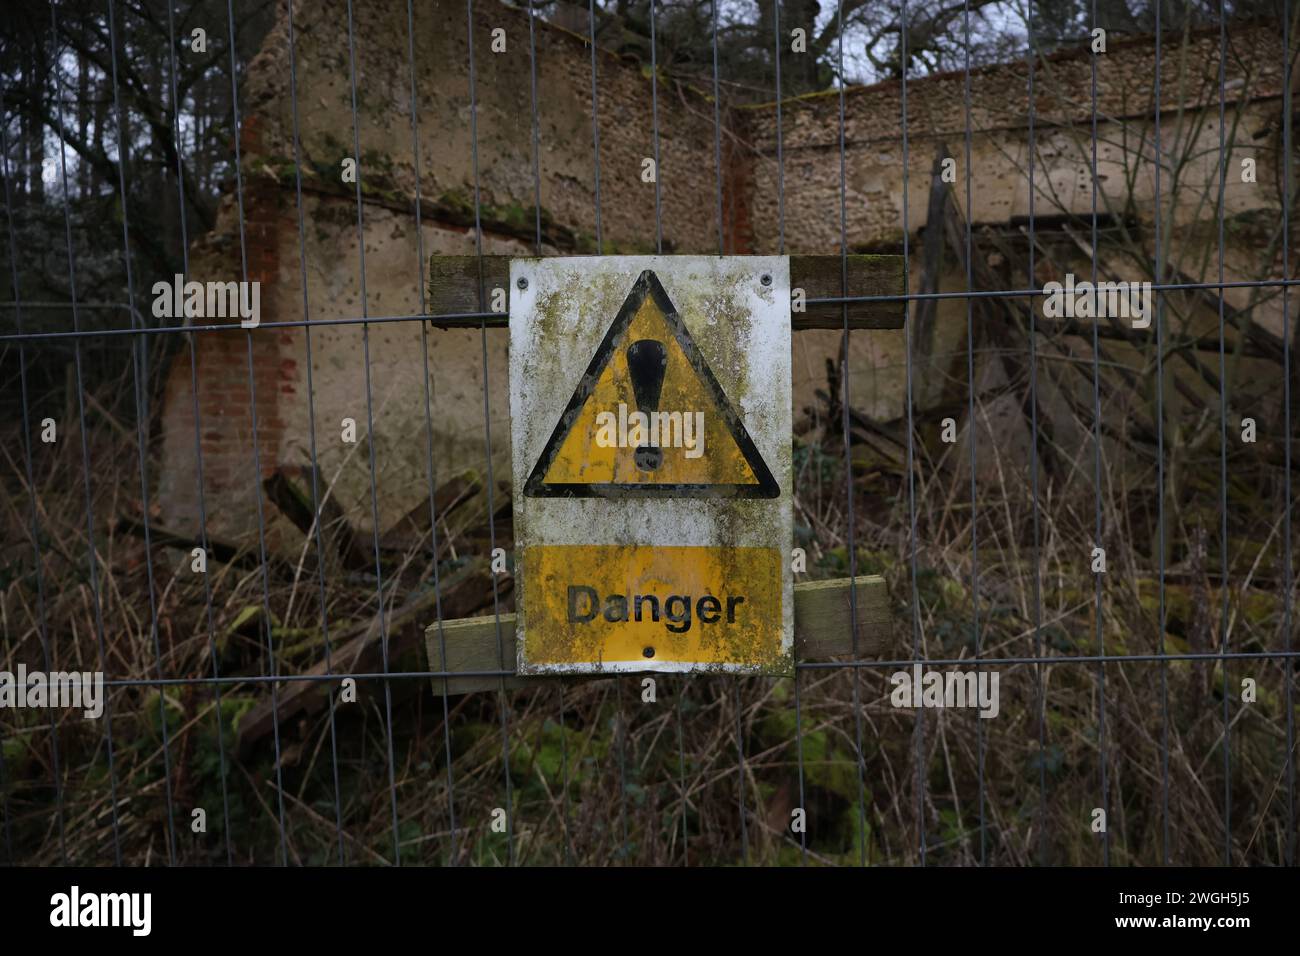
[[650, 413]]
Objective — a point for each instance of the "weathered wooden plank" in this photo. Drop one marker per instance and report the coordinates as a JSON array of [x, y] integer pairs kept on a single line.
[[823, 623], [822, 629], [455, 283], [821, 277]]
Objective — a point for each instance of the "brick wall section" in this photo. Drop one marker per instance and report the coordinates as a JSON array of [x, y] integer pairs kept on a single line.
[[502, 98], [999, 112], [505, 179], [221, 368], [936, 105], [737, 197]]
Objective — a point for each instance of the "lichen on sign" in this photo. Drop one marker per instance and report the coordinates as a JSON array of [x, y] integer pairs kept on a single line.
[[650, 413]]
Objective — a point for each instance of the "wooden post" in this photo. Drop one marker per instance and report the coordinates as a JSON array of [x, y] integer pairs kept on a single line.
[[822, 629], [454, 287]]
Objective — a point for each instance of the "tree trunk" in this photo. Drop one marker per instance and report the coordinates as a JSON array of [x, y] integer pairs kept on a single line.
[[83, 120], [34, 129], [103, 93]]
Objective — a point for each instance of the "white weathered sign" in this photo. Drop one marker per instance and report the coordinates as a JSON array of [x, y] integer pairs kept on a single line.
[[650, 413]]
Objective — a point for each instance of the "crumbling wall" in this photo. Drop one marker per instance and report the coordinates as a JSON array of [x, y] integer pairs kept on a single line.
[[877, 215], [389, 405], [476, 142], [998, 122]]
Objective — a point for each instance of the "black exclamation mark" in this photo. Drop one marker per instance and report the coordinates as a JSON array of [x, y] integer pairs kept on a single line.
[[646, 361]]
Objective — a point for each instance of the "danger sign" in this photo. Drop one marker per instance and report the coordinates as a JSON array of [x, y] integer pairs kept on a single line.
[[650, 417]]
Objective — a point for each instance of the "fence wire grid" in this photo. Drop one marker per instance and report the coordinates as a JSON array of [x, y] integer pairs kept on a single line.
[[593, 772]]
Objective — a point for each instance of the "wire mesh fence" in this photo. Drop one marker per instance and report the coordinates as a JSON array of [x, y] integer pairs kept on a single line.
[[238, 528]]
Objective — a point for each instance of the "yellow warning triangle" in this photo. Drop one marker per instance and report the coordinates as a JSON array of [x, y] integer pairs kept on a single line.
[[648, 418]]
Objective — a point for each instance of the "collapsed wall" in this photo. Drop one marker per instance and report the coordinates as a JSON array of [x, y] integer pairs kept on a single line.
[[887, 191], [888, 194], [476, 142], [465, 369]]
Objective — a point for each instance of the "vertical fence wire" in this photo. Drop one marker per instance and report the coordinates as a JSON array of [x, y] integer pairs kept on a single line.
[[452, 854], [1096, 459], [722, 251], [5, 810], [717, 125], [311, 425], [503, 702], [270, 664], [1288, 580], [972, 425], [537, 248], [780, 158], [537, 145], [681, 772], [1160, 468], [683, 682], [620, 741], [370, 431], [42, 624], [920, 781], [140, 372], [845, 402], [201, 496], [1040, 701], [780, 232], [92, 554], [595, 121], [1223, 463], [654, 119]]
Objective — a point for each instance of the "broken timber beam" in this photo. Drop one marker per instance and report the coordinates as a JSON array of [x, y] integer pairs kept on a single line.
[[823, 628], [357, 649], [455, 302]]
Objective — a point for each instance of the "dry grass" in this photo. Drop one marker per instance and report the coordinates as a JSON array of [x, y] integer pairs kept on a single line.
[[598, 776]]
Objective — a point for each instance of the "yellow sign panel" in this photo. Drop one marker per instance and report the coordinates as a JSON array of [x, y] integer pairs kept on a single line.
[[699, 605], [649, 418]]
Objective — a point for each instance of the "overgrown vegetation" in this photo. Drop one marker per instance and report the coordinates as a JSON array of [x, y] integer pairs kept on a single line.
[[599, 776], [986, 544]]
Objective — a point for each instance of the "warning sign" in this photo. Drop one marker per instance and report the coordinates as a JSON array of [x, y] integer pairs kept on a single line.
[[649, 417], [650, 421], [653, 604]]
